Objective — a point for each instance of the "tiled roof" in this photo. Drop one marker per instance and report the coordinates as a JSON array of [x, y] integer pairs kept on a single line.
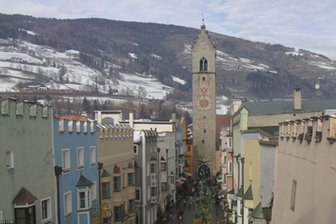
[[72, 117], [280, 107], [24, 196]]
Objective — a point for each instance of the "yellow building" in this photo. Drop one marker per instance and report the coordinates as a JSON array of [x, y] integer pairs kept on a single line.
[[115, 153]]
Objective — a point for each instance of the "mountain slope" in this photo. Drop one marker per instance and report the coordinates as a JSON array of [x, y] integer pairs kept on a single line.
[[112, 48]]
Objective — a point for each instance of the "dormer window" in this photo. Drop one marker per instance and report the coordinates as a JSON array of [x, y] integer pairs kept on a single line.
[[203, 65]]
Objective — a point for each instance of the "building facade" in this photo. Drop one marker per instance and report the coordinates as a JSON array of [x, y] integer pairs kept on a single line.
[[76, 155], [27, 168], [204, 104], [265, 116], [305, 174], [147, 180], [115, 153]]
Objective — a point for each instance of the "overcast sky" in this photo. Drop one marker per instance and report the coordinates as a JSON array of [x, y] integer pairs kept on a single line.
[[307, 24]]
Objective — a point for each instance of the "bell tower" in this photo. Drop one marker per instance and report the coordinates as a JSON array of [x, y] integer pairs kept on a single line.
[[204, 104]]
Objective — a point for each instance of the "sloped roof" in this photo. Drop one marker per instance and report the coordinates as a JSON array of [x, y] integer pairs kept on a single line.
[[281, 107], [105, 173], [24, 196], [72, 117], [116, 169], [248, 194], [257, 213], [83, 181]]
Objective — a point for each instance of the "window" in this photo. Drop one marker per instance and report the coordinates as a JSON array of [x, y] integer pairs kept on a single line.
[[45, 111], [80, 158], [33, 110], [19, 109], [152, 167], [153, 191], [131, 206], [85, 127], [46, 209], [107, 220], [164, 187], [230, 167], [66, 159], [70, 126], [130, 177], [204, 130], [118, 213], [135, 149], [230, 142], [163, 166], [224, 160], [61, 125], [67, 203], [93, 155], [5, 107], [83, 199], [92, 126], [137, 194], [172, 179], [9, 159], [78, 126], [203, 65], [25, 214], [106, 190], [116, 184], [293, 196], [93, 191]]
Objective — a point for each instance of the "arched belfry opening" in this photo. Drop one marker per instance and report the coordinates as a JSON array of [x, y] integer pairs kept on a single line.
[[203, 65]]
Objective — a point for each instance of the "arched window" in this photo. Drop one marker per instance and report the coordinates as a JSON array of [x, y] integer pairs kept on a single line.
[[203, 65]]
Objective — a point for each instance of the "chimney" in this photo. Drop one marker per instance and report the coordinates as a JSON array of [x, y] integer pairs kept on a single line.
[[297, 99], [130, 120]]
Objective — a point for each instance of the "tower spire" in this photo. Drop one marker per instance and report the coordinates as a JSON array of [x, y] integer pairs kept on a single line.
[[203, 25]]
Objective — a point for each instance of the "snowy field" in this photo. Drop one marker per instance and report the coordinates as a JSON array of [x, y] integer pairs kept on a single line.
[[23, 63]]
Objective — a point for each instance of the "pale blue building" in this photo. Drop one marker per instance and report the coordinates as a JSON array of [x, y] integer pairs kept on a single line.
[[76, 169]]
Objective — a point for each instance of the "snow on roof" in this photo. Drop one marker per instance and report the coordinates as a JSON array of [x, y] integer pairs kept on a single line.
[[178, 80], [132, 55]]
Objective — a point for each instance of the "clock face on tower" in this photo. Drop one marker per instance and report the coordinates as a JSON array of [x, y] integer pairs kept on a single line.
[[204, 103]]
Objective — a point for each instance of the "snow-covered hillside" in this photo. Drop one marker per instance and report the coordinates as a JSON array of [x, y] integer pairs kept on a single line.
[[26, 66]]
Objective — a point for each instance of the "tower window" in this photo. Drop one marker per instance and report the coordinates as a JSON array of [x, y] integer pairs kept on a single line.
[[203, 141], [203, 78], [204, 130], [203, 65]]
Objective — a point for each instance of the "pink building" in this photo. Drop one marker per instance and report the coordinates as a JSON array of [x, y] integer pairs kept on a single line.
[[305, 172]]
